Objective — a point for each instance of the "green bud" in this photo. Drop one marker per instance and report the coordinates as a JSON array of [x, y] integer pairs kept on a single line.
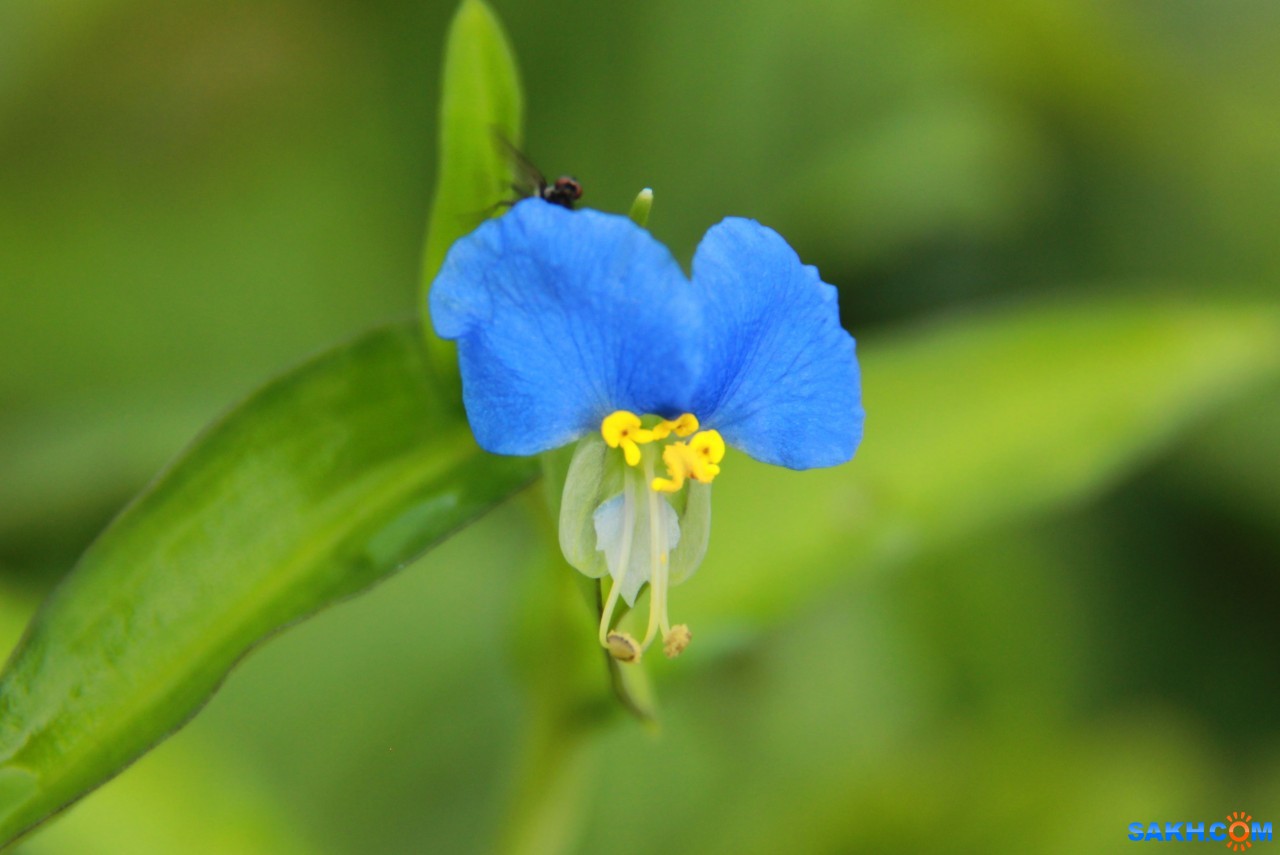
[[640, 208]]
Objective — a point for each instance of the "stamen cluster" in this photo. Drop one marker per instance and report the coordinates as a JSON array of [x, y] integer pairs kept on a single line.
[[699, 460]]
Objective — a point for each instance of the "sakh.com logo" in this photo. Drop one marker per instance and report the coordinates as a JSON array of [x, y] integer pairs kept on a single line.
[[1239, 832]]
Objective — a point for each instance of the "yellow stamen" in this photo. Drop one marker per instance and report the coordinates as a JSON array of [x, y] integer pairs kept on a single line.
[[708, 450], [609, 640], [676, 640], [623, 647], [683, 426], [673, 456], [622, 429], [698, 459]]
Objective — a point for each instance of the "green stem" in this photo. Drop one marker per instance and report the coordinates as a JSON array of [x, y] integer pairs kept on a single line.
[[567, 700]]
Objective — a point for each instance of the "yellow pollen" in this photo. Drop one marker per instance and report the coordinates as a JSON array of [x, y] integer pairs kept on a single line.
[[675, 641], [683, 426], [698, 459], [623, 430]]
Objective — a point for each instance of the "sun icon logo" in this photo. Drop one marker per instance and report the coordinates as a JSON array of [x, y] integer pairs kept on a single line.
[[1238, 831]]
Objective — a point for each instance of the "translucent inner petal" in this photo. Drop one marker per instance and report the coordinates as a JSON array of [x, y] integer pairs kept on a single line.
[[622, 534]]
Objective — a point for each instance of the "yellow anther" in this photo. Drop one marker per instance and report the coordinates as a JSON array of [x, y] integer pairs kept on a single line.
[[675, 641], [698, 459], [683, 426], [686, 424], [622, 429], [707, 449], [675, 457]]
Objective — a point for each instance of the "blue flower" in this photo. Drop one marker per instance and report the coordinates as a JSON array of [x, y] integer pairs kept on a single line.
[[580, 324]]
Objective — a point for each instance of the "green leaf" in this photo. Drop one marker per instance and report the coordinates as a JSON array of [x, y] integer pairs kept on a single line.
[[480, 101], [162, 806], [978, 422], [974, 425], [317, 486]]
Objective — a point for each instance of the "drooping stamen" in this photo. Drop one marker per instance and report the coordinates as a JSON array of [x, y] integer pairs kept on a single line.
[[628, 537], [698, 459], [675, 640], [623, 647]]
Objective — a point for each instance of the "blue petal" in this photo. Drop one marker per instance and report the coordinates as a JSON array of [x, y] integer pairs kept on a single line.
[[562, 317], [780, 378]]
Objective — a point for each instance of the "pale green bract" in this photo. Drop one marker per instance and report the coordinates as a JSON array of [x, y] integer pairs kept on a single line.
[[593, 520]]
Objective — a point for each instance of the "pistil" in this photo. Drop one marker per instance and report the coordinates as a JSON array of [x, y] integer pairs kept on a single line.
[[619, 644], [657, 563]]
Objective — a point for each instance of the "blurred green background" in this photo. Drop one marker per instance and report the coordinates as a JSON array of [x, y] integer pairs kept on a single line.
[[194, 195]]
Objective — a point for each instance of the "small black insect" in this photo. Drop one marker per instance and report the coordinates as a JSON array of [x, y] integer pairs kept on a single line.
[[564, 191]]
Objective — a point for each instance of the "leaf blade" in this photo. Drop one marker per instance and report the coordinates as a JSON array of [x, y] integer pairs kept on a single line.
[[974, 423], [319, 485], [481, 101]]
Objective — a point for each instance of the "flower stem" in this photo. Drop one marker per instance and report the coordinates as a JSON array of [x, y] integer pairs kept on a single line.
[[567, 695]]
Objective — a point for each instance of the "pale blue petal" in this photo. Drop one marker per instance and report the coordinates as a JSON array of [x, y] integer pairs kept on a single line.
[[780, 378], [562, 317], [626, 547]]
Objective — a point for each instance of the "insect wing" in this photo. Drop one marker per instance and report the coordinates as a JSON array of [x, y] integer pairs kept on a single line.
[[527, 179]]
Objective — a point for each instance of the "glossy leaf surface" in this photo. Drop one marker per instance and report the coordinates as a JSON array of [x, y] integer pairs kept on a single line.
[[317, 486], [984, 420], [481, 104]]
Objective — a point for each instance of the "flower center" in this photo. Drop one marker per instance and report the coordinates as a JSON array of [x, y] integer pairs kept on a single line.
[[644, 505], [699, 458]]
